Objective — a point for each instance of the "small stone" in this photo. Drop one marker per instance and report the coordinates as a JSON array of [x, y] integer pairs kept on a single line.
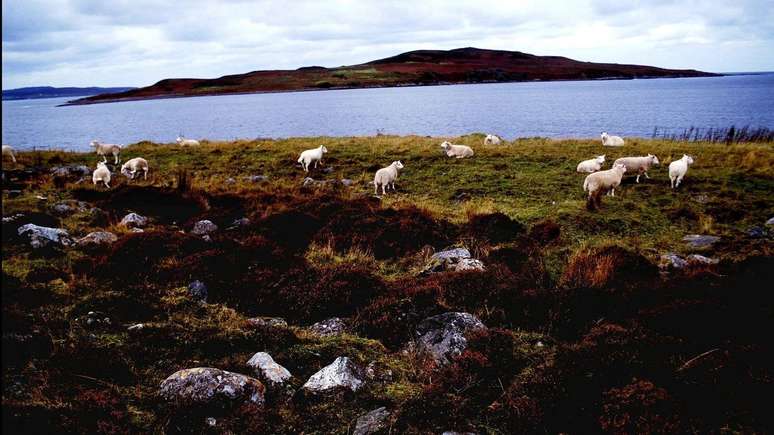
[[204, 227], [308, 182], [97, 238], [346, 182], [341, 373], [770, 221], [198, 291], [700, 241], [696, 258], [372, 422], [257, 178], [701, 199], [136, 327], [673, 261], [211, 421], [276, 322], [133, 220], [207, 238], [332, 326], [230, 180], [268, 370], [137, 230], [756, 232]]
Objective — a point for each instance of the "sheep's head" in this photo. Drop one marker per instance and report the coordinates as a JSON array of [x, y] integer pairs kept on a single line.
[[688, 159], [654, 159], [601, 159], [323, 149], [94, 143], [101, 165], [620, 166], [179, 139], [398, 164], [603, 135], [445, 145]]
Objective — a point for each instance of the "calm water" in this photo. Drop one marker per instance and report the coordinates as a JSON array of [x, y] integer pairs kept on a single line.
[[552, 109]]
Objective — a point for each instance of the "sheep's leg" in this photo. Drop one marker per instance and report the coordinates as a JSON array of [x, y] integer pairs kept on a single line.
[[672, 182], [646, 175], [679, 180], [315, 163], [106, 184], [393, 186], [638, 178], [104, 158], [612, 191], [145, 174], [384, 192], [376, 188], [116, 156]]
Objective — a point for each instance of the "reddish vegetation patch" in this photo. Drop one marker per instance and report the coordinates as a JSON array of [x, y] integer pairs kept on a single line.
[[640, 407], [545, 232], [608, 267]]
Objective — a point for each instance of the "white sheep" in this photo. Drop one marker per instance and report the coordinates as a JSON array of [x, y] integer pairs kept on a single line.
[[386, 177], [314, 155], [103, 149], [604, 181], [458, 151], [102, 173], [131, 167], [8, 151], [678, 169], [186, 142], [611, 141], [591, 165], [639, 165], [491, 139]]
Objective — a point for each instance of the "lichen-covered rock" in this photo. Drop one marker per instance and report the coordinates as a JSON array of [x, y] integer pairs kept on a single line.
[[700, 259], [204, 227], [308, 181], [206, 385], [68, 207], [756, 232], [71, 171], [770, 221], [672, 261], [198, 290], [276, 322], [700, 241], [332, 326], [341, 373], [443, 336], [372, 422], [133, 220], [97, 238], [268, 370], [452, 260], [41, 237]]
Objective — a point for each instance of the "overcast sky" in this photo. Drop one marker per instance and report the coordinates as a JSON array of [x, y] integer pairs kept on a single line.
[[138, 42]]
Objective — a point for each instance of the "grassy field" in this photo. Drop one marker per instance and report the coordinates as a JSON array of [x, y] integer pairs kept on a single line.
[[614, 334]]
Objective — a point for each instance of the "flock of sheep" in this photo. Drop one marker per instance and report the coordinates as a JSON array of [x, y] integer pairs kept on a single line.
[[596, 183]]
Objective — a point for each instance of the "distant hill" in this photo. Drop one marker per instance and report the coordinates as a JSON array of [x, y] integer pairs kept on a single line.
[[421, 67], [51, 92]]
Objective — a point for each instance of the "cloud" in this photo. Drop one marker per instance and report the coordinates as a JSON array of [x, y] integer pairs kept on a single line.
[[138, 42]]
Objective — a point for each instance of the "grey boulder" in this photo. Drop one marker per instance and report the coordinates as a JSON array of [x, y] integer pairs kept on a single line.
[[340, 373], [133, 220], [198, 290], [40, 237], [97, 238], [332, 326], [443, 336], [700, 241], [206, 385], [204, 227], [268, 370], [452, 260]]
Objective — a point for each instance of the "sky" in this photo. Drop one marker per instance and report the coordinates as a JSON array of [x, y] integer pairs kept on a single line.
[[139, 42]]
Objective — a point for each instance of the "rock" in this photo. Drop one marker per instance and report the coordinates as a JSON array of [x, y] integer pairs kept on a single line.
[[276, 322], [267, 370], [340, 373], [206, 385], [700, 241], [242, 222], [672, 261], [43, 236], [69, 207], [375, 372], [204, 227], [257, 178], [443, 336], [230, 180], [332, 326], [701, 199], [455, 260], [136, 327], [372, 422], [211, 421], [696, 258], [71, 171], [327, 170], [94, 319], [137, 230], [756, 232], [133, 220], [308, 182], [770, 221], [346, 182], [97, 238], [198, 290]]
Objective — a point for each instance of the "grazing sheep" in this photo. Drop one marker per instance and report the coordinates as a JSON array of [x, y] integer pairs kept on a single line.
[[600, 182], [491, 139], [8, 151], [131, 167], [678, 169], [591, 165], [102, 173], [386, 177], [186, 142], [611, 141], [314, 155], [458, 151], [640, 165], [104, 149]]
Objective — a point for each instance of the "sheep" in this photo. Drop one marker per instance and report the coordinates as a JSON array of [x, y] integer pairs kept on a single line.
[[386, 177], [186, 142], [314, 155], [458, 151], [102, 173], [678, 168], [640, 165], [8, 151], [491, 139], [591, 165], [611, 141], [131, 167], [106, 148], [600, 182]]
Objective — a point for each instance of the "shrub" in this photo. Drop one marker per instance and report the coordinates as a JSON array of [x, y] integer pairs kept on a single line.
[[638, 408]]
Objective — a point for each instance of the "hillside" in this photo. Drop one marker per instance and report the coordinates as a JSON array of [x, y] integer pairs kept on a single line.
[[36, 92], [603, 321], [422, 67]]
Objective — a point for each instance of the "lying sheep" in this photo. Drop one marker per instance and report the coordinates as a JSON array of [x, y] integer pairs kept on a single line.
[[186, 142], [611, 141], [102, 173], [8, 151], [103, 149], [491, 139], [458, 151], [602, 182], [640, 165], [386, 177], [131, 167], [678, 169], [314, 155], [591, 165]]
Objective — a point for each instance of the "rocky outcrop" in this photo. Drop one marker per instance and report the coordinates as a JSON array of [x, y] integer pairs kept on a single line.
[[268, 370], [342, 373], [40, 237], [443, 336], [452, 260], [206, 385]]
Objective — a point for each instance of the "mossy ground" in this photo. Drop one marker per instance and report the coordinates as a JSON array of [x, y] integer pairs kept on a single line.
[[582, 321]]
